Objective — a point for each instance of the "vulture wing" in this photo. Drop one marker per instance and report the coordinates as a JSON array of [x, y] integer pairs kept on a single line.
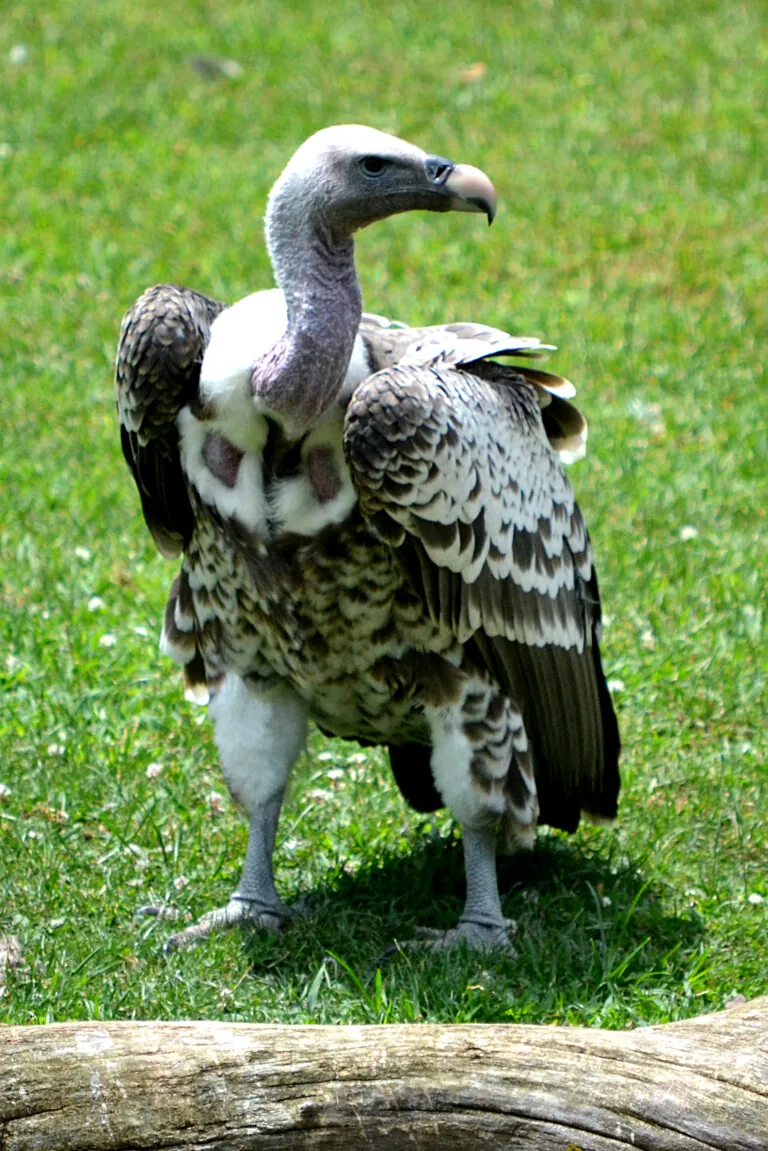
[[453, 467], [161, 347], [465, 344]]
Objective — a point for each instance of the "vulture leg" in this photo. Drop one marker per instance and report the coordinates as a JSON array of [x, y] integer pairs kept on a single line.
[[259, 738], [482, 769], [482, 925]]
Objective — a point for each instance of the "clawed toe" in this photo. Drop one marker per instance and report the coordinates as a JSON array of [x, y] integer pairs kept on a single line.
[[270, 917], [476, 934], [153, 911]]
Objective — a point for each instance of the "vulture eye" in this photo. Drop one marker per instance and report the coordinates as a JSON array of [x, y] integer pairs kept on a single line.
[[372, 165]]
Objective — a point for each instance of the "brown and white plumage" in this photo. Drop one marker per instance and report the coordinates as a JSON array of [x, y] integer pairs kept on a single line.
[[376, 529]]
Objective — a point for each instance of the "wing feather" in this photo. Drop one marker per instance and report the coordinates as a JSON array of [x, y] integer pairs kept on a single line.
[[486, 522], [162, 341]]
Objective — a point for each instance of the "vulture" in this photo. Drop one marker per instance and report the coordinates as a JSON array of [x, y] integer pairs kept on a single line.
[[375, 530]]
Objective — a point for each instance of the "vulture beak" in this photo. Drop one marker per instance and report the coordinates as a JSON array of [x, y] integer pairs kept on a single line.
[[468, 189]]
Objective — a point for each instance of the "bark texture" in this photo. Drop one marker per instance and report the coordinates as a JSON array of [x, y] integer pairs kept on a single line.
[[680, 1087]]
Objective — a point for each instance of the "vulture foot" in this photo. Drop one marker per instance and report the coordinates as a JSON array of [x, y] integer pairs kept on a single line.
[[480, 933], [269, 917], [477, 934]]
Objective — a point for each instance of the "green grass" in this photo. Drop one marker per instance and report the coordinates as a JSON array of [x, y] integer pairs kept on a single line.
[[627, 144]]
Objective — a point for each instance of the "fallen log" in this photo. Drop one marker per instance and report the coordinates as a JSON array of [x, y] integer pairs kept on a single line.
[[678, 1087]]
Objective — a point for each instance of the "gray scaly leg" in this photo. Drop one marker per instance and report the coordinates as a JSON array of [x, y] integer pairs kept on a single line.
[[482, 925], [259, 739], [474, 749]]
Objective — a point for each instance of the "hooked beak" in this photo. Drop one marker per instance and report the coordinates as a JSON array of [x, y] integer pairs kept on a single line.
[[468, 189]]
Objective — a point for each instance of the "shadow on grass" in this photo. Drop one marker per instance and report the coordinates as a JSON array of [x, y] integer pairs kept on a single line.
[[595, 942]]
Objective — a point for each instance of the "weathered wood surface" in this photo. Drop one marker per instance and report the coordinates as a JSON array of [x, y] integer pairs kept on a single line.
[[682, 1087]]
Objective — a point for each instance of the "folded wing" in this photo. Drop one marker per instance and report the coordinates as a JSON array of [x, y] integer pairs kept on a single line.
[[453, 467], [161, 347]]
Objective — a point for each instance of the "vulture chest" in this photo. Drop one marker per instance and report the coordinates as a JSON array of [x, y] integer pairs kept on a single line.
[[327, 606]]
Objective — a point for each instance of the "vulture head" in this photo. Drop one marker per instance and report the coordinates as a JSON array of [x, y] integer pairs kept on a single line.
[[346, 177], [340, 180]]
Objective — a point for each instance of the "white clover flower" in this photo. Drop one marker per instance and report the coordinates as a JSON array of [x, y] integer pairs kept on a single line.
[[217, 802]]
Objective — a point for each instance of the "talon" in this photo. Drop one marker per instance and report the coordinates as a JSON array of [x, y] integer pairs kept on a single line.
[[390, 952], [169, 914]]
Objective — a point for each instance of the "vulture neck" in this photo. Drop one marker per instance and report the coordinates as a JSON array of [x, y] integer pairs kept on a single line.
[[301, 376]]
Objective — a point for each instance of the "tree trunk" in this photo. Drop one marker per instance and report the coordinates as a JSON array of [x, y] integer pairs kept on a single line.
[[680, 1087]]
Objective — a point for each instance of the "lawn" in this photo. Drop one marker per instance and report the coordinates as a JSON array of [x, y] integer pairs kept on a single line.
[[627, 144]]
